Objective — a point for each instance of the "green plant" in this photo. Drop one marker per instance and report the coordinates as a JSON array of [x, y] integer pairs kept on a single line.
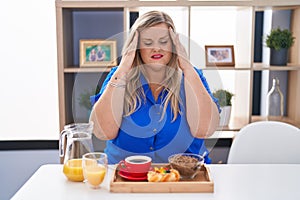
[[280, 39], [84, 98], [224, 97]]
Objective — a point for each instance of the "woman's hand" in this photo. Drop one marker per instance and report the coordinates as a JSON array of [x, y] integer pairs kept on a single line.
[[107, 113], [183, 60], [128, 57]]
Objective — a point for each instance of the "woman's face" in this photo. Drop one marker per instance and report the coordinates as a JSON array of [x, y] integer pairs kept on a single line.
[[156, 45]]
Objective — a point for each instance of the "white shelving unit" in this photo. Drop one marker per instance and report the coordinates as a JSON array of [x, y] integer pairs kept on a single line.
[[243, 40]]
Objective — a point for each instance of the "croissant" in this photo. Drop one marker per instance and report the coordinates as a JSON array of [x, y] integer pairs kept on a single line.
[[163, 175]]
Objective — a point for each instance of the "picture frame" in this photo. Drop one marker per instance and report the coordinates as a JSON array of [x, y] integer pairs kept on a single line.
[[98, 53], [219, 55]]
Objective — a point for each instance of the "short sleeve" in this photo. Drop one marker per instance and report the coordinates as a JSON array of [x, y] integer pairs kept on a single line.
[[204, 82], [94, 98]]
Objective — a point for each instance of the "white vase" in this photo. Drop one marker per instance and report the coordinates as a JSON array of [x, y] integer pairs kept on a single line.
[[225, 115]]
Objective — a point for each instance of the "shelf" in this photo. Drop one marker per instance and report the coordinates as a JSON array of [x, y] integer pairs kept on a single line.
[[256, 67], [86, 70], [227, 68], [289, 67], [223, 135], [256, 118], [137, 3], [235, 124]]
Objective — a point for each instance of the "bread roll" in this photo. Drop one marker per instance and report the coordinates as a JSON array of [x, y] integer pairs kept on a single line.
[[163, 175]]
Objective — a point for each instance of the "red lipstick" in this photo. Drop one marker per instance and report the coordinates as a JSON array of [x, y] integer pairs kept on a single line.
[[157, 56]]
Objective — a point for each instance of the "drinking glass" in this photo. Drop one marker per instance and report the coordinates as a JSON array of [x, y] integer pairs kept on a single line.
[[94, 167]]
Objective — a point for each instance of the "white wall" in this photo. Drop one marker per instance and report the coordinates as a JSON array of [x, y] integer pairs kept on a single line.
[[28, 88], [28, 78]]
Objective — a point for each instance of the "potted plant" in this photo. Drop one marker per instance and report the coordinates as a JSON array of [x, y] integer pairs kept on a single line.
[[224, 97], [279, 41], [84, 99]]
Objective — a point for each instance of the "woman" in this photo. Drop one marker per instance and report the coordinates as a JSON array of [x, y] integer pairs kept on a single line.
[[155, 102]]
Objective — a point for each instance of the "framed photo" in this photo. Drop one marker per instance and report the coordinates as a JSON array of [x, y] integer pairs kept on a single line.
[[98, 53], [219, 55]]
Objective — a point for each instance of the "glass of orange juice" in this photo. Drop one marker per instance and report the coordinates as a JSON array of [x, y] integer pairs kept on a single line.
[[94, 167]]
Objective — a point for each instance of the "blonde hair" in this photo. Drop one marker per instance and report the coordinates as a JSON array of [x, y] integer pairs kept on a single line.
[[135, 95]]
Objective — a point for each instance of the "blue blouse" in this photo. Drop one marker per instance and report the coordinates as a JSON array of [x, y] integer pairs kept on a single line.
[[145, 133]]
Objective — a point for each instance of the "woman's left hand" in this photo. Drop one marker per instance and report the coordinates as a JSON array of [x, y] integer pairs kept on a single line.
[[183, 60]]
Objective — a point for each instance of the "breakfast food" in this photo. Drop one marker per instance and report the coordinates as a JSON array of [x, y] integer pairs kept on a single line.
[[187, 164], [163, 174]]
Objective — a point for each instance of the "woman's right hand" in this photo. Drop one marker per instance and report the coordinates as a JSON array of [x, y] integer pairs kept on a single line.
[[128, 57]]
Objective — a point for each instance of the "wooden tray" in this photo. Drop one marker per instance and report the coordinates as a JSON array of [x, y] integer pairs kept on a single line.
[[201, 183]]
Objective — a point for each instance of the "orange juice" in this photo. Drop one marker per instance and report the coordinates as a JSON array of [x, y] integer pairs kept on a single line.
[[95, 175], [73, 170]]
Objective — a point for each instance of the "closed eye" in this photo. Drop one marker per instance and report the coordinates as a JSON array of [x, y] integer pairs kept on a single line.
[[164, 41], [147, 43]]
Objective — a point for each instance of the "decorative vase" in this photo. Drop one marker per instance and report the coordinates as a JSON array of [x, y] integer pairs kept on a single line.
[[225, 115], [278, 57], [275, 101]]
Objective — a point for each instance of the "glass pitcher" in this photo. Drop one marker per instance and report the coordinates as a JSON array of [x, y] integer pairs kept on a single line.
[[79, 141]]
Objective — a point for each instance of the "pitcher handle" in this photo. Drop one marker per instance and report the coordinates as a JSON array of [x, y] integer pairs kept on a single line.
[[62, 142]]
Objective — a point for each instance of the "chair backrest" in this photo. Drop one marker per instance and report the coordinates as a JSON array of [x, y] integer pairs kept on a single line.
[[266, 142]]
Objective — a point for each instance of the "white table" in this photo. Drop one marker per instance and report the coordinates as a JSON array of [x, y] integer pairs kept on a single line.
[[232, 182]]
